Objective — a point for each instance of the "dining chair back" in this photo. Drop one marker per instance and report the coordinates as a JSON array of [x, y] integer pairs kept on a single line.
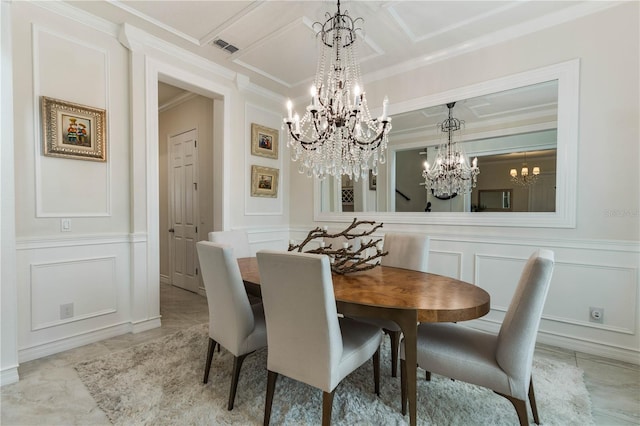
[[406, 251], [502, 362], [234, 323], [237, 239], [307, 340]]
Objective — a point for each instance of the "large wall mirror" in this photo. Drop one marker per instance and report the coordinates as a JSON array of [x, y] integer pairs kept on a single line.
[[522, 122]]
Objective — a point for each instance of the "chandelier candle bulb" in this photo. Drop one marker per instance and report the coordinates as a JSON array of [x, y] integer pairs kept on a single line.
[[289, 109], [385, 105]]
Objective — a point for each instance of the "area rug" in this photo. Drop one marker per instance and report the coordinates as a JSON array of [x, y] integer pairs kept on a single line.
[[160, 383]]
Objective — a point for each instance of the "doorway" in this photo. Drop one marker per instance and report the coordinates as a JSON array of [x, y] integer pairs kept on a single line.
[[185, 172]]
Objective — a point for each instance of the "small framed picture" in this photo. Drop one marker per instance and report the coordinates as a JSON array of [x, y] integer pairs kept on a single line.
[[264, 141], [373, 180], [264, 182], [73, 131]]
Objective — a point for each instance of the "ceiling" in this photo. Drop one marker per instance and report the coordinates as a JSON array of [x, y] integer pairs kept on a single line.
[[277, 45]]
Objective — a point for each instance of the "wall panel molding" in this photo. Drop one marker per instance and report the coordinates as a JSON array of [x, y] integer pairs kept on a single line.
[[89, 283], [42, 210]]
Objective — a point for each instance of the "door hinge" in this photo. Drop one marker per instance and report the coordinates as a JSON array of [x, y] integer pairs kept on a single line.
[[196, 229], [195, 185], [195, 144], [196, 271]]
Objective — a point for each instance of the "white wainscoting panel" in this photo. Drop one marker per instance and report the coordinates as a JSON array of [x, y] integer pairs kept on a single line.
[[93, 273], [445, 263], [89, 284]]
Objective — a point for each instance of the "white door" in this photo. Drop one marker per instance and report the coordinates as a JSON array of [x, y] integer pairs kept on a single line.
[[183, 208]]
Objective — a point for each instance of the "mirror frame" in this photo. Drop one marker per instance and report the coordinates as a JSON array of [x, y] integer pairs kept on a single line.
[[568, 76]]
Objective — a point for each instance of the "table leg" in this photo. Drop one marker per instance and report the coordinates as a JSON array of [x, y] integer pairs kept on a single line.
[[408, 323], [407, 319]]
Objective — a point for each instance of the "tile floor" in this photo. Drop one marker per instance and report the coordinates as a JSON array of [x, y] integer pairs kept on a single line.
[[50, 393]]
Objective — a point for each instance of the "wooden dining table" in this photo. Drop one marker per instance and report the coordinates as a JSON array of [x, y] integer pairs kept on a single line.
[[403, 296]]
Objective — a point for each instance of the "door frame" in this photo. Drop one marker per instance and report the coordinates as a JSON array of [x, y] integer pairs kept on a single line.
[[145, 73]]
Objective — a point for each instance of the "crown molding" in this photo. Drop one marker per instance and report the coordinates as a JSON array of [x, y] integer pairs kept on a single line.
[[80, 16], [136, 40], [566, 15]]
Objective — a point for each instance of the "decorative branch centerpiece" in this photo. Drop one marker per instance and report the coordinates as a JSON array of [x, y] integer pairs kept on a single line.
[[349, 257]]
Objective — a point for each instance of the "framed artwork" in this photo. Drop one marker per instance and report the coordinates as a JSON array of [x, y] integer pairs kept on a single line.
[[264, 182], [373, 180], [264, 141], [73, 131]]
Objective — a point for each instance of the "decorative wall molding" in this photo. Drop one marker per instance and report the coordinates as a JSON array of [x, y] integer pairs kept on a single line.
[[41, 211], [140, 41], [498, 37], [261, 206], [98, 278], [77, 241], [577, 316], [80, 16]]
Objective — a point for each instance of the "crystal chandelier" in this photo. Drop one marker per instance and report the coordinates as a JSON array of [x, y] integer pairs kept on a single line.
[[336, 135], [451, 173], [525, 179]]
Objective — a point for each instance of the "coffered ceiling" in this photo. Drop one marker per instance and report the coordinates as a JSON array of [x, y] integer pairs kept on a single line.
[[276, 43]]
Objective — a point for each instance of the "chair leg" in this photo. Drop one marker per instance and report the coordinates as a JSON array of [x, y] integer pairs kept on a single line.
[[207, 367], [237, 365], [376, 371], [271, 387], [521, 408], [395, 345], [427, 376], [403, 386], [327, 404], [532, 401]]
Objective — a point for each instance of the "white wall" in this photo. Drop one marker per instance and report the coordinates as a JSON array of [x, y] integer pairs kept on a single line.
[[598, 260], [64, 53]]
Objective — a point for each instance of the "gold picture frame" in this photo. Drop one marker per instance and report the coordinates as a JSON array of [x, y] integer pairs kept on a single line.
[[72, 130], [264, 181], [264, 141]]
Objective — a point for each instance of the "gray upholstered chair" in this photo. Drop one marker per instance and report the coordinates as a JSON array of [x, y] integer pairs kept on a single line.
[[501, 362], [307, 340], [406, 251], [239, 240], [233, 323]]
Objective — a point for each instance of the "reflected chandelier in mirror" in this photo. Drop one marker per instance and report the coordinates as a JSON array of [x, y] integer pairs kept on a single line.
[[542, 123]]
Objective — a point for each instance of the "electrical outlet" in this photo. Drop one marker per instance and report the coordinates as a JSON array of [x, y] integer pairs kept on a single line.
[[66, 311], [596, 315]]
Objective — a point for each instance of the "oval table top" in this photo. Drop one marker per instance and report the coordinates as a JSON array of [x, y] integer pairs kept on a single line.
[[436, 298]]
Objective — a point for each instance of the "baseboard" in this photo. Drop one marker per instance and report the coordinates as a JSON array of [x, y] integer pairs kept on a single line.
[[9, 375], [86, 338], [145, 325], [571, 343], [164, 279], [72, 342], [592, 348]]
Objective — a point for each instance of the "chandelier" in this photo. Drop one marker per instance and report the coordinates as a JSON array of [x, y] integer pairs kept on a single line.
[[525, 179], [451, 173], [336, 135]]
